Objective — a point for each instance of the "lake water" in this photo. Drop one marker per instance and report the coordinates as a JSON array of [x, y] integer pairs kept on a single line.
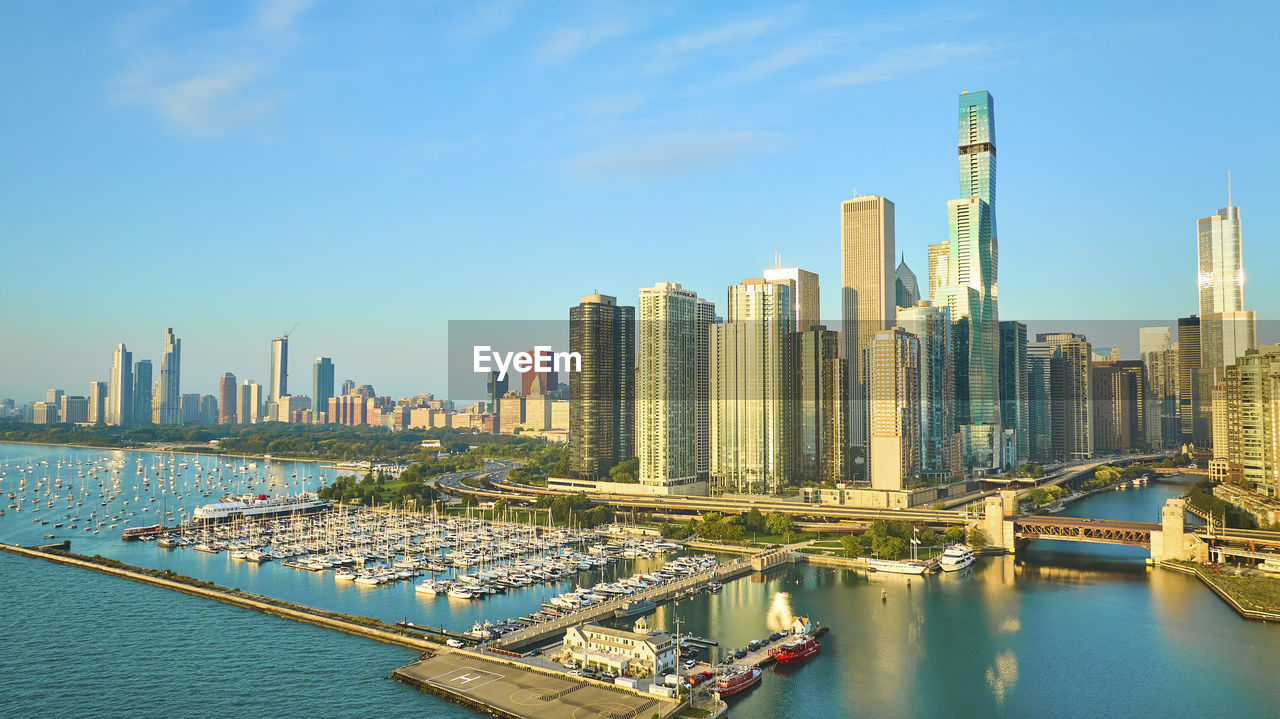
[[1061, 630]]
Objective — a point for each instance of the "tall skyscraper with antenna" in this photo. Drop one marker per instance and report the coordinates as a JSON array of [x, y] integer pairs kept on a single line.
[[169, 395], [1227, 330]]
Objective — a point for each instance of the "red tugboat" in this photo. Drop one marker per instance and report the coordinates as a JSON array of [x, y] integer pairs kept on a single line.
[[736, 681], [796, 650]]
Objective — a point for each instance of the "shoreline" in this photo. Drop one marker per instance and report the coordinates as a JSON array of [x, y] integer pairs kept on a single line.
[[169, 450]]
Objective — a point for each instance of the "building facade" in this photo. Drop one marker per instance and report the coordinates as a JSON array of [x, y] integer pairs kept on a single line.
[[666, 392], [1014, 399], [169, 389], [931, 325], [602, 397], [120, 388], [891, 364], [868, 291], [819, 394], [321, 388], [1071, 394]]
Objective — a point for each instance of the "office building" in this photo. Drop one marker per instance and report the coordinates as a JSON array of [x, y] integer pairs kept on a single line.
[[249, 403], [1227, 330], [189, 405], [142, 387], [868, 290], [279, 379], [97, 402], [602, 397], [666, 388], [321, 387], [208, 409], [169, 390], [906, 288], [1071, 394], [510, 413], [819, 395], [939, 268], [1159, 358], [120, 388], [804, 293], [931, 326], [970, 290], [891, 364], [1013, 391], [1119, 401], [751, 374], [44, 412], [1039, 403], [550, 382], [73, 410], [1193, 421], [227, 397], [495, 388]]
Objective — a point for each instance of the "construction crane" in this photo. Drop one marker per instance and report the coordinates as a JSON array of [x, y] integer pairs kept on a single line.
[[291, 329]]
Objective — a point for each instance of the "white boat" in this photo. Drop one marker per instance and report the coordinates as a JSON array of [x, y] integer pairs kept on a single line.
[[956, 557], [897, 566], [460, 593]]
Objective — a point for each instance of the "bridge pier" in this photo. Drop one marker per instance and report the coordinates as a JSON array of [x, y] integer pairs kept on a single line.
[[997, 520], [1172, 541]]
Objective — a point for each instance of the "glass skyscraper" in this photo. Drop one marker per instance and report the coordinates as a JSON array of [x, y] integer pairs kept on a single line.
[[970, 290], [321, 387], [170, 380]]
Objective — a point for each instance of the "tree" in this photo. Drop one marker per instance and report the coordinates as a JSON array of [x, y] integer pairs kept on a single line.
[[889, 547], [499, 505], [953, 535], [851, 545], [625, 472], [753, 521], [977, 538], [779, 523]]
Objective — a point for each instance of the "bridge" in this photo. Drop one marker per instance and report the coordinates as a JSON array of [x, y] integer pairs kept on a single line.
[[1074, 529]]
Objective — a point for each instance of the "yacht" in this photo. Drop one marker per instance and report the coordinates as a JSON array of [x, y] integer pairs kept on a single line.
[[956, 557]]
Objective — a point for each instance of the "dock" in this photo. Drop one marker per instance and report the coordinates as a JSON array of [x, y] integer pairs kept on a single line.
[[520, 691], [529, 637]]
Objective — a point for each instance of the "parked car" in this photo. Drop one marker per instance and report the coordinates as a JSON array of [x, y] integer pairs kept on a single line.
[[454, 643], [689, 665]]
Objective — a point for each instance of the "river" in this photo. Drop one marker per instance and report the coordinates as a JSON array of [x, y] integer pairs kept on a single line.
[[1060, 630]]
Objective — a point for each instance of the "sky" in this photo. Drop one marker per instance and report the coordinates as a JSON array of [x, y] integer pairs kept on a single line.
[[369, 172]]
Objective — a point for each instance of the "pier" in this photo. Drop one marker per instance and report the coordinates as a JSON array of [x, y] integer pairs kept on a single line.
[[530, 637]]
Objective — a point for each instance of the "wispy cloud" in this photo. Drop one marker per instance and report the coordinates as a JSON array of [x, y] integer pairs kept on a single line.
[[614, 105], [569, 42], [205, 85], [730, 33], [903, 62], [673, 153]]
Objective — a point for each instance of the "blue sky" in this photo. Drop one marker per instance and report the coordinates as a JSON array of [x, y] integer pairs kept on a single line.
[[373, 170]]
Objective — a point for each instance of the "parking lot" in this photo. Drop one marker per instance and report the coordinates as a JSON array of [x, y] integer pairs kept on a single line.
[[527, 692]]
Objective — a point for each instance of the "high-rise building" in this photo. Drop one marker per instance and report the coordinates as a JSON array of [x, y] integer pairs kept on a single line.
[[496, 387], [1013, 390], [1160, 360], [804, 293], [666, 359], [321, 388], [892, 377], [169, 391], [249, 403], [189, 404], [602, 397], [704, 319], [97, 402], [868, 290], [550, 382], [819, 395], [208, 409], [227, 399], [931, 325], [142, 392], [54, 397], [74, 410], [751, 374], [1227, 330], [44, 413], [1040, 403], [970, 291], [348, 385], [1258, 422], [1071, 394], [279, 380], [906, 288], [1119, 398], [939, 268], [1188, 377], [510, 413], [120, 388]]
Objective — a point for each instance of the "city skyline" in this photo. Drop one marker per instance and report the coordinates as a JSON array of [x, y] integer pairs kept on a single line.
[[1141, 213]]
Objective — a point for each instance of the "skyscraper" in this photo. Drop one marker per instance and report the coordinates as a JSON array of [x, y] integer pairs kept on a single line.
[[666, 358], [249, 404], [1040, 402], [1188, 377], [227, 399], [1119, 397], [704, 319], [1155, 348], [120, 388], [97, 402], [142, 392], [1227, 330], [1013, 391], [602, 397], [804, 294], [906, 288], [279, 382], [496, 386], [321, 388], [970, 291], [931, 325], [939, 268], [868, 290], [751, 374], [819, 395], [892, 378], [170, 390], [1071, 394]]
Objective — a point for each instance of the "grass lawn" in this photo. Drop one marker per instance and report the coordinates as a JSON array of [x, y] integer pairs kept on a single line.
[[1260, 594], [692, 713]]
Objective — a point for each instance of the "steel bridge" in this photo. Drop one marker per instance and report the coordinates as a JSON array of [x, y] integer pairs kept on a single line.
[[1073, 529]]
